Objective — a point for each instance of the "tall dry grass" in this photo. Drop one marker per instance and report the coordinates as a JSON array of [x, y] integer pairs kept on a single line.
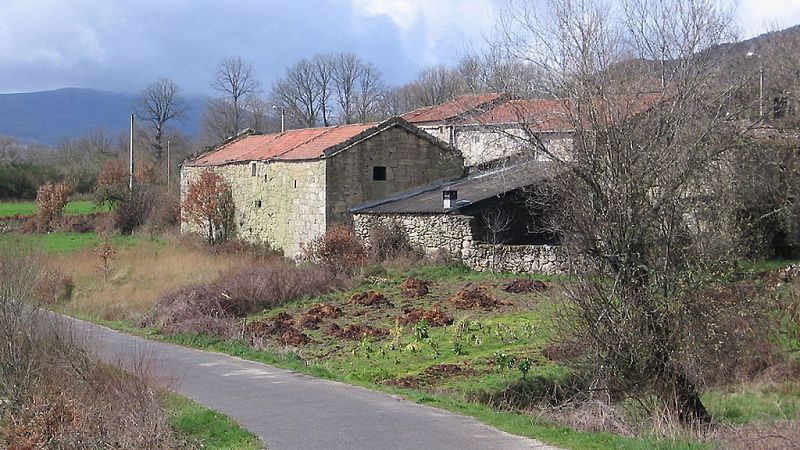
[[139, 276]]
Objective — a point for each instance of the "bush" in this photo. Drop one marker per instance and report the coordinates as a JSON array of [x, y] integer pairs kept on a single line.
[[211, 308], [165, 212], [389, 242], [53, 286], [112, 183], [209, 206], [338, 248], [132, 212], [50, 202]]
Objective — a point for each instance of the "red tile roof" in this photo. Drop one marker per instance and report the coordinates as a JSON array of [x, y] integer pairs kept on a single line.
[[450, 110], [309, 143], [557, 115]]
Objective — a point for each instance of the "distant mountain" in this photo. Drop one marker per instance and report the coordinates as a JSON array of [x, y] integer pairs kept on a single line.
[[49, 117]]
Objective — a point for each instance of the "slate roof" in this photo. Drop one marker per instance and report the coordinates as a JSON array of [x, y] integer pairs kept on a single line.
[[298, 145], [471, 190], [453, 109]]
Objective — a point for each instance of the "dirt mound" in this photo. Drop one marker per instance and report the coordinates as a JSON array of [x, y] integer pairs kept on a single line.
[[431, 376], [354, 331], [294, 337], [281, 326], [434, 317], [414, 287], [370, 298], [479, 297], [525, 286], [325, 310], [315, 315], [447, 370]]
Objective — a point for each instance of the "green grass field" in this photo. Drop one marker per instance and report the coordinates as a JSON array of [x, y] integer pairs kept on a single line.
[[206, 428], [61, 242], [8, 209]]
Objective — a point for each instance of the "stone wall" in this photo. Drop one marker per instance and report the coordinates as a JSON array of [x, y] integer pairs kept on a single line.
[[453, 234], [283, 204], [483, 144], [410, 161]]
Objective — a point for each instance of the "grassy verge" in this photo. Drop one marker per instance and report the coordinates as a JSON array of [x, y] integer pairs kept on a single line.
[[29, 208], [206, 428]]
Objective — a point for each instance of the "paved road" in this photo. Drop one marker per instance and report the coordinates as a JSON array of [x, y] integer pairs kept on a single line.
[[288, 410]]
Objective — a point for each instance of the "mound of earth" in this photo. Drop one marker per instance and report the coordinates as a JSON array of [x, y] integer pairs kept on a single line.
[[370, 298], [354, 331], [281, 326], [315, 315], [525, 286], [434, 317], [414, 287], [476, 298]]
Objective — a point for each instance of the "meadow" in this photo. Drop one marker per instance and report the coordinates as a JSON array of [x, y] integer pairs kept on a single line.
[[73, 208]]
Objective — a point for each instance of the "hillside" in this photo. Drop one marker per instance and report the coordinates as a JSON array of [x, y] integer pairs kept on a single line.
[[49, 117]]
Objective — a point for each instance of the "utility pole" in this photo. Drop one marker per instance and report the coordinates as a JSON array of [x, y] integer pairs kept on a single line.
[[283, 118], [130, 166]]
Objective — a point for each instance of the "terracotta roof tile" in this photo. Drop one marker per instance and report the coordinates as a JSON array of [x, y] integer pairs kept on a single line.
[[309, 143], [450, 110]]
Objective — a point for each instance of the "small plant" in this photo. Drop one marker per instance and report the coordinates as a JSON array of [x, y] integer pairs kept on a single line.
[[421, 330], [105, 253], [503, 332], [524, 366], [365, 346], [503, 361], [396, 335], [458, 348]]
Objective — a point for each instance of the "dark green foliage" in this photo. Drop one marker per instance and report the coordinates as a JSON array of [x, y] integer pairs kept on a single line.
[[21, 180]]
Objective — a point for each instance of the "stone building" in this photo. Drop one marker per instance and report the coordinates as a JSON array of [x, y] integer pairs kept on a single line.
[[288, 188], [489, 128], [482, 220]]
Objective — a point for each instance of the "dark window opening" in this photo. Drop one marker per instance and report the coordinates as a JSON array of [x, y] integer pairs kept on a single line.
[[295, 184], [514, 223], [265, 178], [258, 203], [379, 173], [253, 170]]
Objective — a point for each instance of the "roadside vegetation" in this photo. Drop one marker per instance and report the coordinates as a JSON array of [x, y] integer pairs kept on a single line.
[[54, 393]]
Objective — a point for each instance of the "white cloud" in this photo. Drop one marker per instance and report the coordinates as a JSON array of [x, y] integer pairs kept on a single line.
[[434, 29], [759, 16]]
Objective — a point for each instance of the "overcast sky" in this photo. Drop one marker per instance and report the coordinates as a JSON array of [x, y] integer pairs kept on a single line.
[[123, 45]]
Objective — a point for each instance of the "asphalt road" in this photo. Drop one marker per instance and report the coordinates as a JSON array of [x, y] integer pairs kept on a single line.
[[289, 410]]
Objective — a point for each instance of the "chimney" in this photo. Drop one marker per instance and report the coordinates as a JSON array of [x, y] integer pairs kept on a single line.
[[450, 199]]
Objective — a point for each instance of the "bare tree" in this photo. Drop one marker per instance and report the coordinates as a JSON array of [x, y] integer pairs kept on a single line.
[[237, 85], [347, 71], [369, 94], [497, 221], [160, 103], [639, 184], [298, 93], [324, 78]]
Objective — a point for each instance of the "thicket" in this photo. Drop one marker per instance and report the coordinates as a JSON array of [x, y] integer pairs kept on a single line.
[[53, 394], [213, 308], [20, 180]]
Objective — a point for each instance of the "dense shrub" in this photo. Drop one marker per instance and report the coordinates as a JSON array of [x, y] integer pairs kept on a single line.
[[338, 248], [164, 213], [53, 286], [134, 209], [50, 202], [112, 183], [21, 180], [211, 308], [388, 242]]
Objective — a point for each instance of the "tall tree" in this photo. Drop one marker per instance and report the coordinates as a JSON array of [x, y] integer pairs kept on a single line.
[[299, 94], [160, 103], [237, 87], [639, 184]]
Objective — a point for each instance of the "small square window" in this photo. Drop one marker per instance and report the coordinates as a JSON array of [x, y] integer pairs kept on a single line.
[[379, 173]]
